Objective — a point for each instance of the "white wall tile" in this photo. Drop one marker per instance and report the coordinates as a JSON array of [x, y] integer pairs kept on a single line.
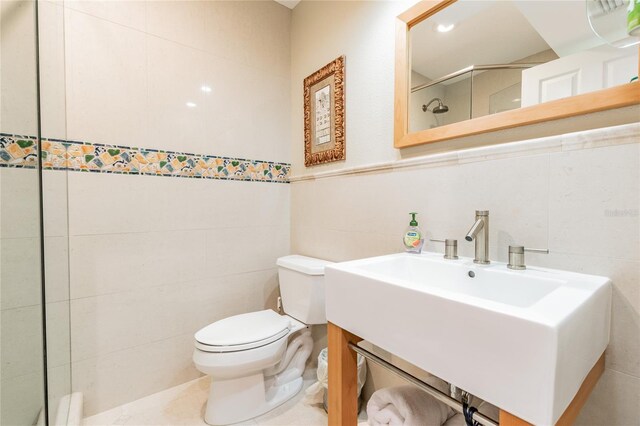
[[22, 399], [624, 345], [108, 323], [56, 268], [245, 249], [19, 210], [115, 378], [614, 401], [445, 198], [593, 205], [220, 297], [20, 272], [106, 81], [130, 13], [54, 199], [52, 70], [18, 112], [21, 349], [252, 204], [113, 263], [176, 74], [248, 95], [255, 33], [141, 316], [98, 203], [58, 334], [179, 21]]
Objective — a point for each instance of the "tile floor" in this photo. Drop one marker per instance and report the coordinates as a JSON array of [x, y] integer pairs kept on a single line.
[[183, 405]]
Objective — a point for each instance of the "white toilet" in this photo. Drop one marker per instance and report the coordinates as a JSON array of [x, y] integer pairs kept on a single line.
[[256, 360]]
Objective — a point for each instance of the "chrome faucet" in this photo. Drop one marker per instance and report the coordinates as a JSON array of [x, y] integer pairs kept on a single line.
[[479, 233]]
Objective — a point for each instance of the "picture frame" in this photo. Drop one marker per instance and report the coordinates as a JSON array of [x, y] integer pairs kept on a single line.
[[324, 114]]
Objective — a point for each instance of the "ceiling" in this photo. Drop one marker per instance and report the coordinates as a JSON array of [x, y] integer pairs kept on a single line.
[[525, 27], [289, 3], [567, 29]]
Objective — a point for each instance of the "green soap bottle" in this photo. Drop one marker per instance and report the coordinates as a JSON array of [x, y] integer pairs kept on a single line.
[[413, 236], [633, 18]]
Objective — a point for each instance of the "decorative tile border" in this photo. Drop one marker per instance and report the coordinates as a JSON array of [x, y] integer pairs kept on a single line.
[[21, 151], [18, 151]]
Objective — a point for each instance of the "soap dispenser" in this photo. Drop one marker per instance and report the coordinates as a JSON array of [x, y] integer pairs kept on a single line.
[[413, 236]]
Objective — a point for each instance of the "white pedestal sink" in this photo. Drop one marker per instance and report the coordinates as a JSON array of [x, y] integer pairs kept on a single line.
[[521, 340]]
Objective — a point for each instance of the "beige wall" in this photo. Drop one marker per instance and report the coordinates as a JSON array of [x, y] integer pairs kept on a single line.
[[364, 32], [557, 193], [153, 259]]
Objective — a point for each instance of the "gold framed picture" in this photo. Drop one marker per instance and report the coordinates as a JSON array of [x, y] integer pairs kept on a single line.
[[324, 114]]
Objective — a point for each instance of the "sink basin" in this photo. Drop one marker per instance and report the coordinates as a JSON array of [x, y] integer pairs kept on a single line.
[[521, 340]]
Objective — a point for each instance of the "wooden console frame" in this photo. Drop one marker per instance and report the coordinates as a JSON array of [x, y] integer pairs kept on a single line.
[[343, 384]]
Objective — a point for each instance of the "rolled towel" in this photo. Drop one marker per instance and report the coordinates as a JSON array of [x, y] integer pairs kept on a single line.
[[457, 420], [408, 406]]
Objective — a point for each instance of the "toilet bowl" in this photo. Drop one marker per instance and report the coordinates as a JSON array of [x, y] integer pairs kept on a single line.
[[256, 360]]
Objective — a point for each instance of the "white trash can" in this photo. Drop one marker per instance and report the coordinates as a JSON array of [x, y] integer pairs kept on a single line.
[[317, 392]]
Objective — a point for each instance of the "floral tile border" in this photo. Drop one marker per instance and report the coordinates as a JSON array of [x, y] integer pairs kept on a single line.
[[18, 151], [21, 151]]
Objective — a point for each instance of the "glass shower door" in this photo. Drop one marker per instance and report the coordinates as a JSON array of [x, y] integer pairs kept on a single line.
[[22, 373]]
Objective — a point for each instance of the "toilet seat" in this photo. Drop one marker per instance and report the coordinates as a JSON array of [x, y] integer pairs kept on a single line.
[[243, 332]]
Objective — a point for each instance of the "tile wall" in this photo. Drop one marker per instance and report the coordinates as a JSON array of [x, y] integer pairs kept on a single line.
[[584, 209], [577, 194], [187, 89]]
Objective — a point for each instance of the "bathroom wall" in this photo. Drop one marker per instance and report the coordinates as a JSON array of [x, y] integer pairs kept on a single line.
[[577, 194], [167, 129]]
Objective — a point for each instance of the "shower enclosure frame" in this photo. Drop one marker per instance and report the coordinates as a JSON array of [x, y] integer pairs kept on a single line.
[[23, 20], [45, 377], [470, 70]]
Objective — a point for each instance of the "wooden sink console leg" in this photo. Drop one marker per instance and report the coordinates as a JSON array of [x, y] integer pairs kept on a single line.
[[571, 413], [343, 377]]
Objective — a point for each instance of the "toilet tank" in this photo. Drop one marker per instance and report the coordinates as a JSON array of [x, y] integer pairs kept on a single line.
[[302, 288]]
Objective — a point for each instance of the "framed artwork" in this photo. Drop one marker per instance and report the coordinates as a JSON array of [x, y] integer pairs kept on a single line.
[[324, 114]]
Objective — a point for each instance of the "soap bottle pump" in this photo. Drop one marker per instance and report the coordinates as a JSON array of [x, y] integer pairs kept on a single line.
[[412, 239]]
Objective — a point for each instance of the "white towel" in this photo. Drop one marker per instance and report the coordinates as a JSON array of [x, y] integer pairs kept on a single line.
[[457, 420], [408, 406]]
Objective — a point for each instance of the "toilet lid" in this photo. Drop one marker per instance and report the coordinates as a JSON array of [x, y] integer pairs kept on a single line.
[[244, 329]]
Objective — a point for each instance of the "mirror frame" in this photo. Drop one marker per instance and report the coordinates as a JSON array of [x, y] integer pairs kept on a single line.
[[614, 97]]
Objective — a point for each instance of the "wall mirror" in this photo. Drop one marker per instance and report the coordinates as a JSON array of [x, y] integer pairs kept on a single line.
[[473, 66]]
